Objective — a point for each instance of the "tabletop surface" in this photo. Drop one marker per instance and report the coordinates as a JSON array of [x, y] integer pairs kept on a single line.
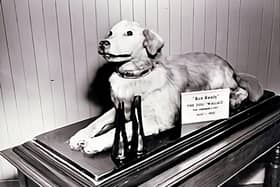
[[53, 152]]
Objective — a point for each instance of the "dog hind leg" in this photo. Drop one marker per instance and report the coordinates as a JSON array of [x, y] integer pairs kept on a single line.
[[237, 96], [251, 84], [248, 87]]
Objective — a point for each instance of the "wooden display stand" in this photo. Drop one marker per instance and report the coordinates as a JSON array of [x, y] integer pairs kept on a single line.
[[205, 154]]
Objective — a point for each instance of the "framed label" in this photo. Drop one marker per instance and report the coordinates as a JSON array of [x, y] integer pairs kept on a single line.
[[202, 106]]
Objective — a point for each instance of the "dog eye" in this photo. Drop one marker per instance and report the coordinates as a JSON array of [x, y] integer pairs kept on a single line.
[[129, 33], [110, 33]]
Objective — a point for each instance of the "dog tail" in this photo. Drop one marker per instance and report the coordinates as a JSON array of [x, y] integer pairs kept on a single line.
[[251, 84]]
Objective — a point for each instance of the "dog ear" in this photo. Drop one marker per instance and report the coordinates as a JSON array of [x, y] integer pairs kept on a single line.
[[152, 43]]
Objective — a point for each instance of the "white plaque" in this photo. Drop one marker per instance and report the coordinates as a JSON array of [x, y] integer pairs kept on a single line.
[[202, 106]]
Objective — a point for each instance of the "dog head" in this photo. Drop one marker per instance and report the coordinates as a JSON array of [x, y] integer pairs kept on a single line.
[[127, 40]]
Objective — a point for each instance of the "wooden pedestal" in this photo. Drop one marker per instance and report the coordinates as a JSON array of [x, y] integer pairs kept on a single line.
[[196, 155]]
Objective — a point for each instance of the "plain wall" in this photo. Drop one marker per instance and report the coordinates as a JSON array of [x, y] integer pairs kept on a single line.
[[48, 51]]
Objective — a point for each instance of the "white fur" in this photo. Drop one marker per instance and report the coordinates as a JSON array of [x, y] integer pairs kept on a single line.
[[157, 98], [160, 89]]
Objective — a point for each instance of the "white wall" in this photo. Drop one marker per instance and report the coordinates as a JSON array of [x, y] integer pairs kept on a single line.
[[48, 51]]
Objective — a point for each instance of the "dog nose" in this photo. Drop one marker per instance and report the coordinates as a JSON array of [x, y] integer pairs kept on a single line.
[[104, 43]]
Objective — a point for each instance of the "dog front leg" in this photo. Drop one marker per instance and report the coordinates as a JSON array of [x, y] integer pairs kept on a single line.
[[80, 139], [105, 141], [98, 125]]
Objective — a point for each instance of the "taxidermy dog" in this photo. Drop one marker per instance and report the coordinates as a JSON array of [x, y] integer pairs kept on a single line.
[[143, 70]]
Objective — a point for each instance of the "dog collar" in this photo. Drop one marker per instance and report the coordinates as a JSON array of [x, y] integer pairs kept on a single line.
[[134, 74]]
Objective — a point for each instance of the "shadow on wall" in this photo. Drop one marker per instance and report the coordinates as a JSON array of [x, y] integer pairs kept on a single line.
[[99, 89]]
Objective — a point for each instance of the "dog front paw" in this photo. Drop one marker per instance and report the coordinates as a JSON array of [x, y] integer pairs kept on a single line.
[[94, 145], [99, 143], [79, 140]]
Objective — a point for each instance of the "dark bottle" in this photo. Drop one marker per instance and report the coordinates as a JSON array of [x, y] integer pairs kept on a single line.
[[138, 138], [120, 145]]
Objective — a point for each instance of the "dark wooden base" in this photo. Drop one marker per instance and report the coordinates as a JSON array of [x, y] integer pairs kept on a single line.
[[207, 156], [272, 174]]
